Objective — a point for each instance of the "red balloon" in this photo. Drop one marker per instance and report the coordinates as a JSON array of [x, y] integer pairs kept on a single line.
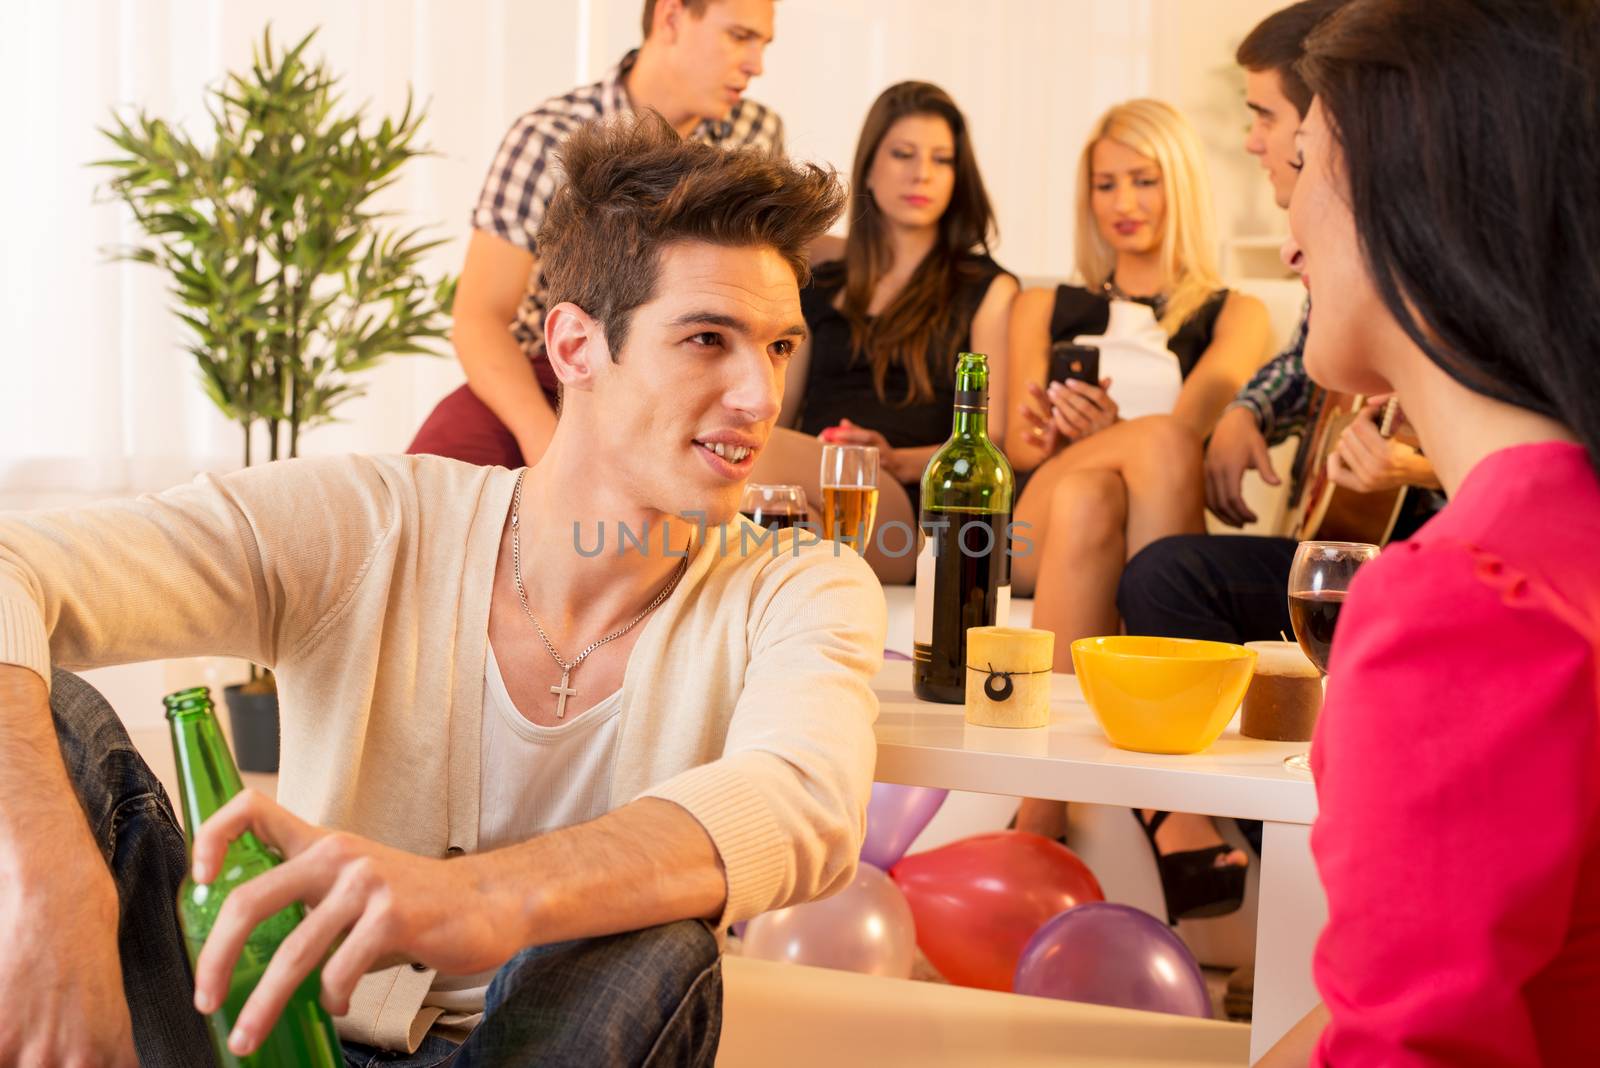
[[976, 902]]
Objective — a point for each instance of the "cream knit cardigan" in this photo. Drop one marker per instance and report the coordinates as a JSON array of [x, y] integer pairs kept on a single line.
[[364, 583]]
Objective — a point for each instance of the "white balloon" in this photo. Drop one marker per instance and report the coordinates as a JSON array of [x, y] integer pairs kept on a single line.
[[866, 927]]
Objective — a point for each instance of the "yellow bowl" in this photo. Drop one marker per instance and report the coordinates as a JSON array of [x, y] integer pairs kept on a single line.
[[1162, 695]]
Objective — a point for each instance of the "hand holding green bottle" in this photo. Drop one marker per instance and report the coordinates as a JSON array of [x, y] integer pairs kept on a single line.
[[256, 950], [387, 905]]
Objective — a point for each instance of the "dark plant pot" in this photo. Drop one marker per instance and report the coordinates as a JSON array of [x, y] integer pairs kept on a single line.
[[254, 719]]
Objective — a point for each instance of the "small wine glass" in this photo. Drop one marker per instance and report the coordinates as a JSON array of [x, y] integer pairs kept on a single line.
[[1319, 578], [849, 493], [773, 507]]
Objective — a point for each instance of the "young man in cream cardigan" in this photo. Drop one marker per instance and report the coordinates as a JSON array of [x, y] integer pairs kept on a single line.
[[497, 844]]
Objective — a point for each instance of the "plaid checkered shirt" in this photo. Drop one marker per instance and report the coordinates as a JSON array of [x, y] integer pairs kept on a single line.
[[1280, 393], [525, 175]]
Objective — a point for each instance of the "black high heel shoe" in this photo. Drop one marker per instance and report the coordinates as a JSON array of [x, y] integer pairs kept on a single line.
[[1194, 886]]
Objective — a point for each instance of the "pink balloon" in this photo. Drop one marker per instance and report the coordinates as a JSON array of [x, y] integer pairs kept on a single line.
[[895, 816], [1113, 955], [866, 927], [979, 900]]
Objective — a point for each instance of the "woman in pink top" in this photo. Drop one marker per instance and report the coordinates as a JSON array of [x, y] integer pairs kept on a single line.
[[1448, 226]]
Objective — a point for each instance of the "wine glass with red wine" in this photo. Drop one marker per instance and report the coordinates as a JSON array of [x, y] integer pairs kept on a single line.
[[1319, 578], [773, 507]]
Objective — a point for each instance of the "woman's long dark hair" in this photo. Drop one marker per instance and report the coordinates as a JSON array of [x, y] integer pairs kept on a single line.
[[1470, 131], [922, 318]]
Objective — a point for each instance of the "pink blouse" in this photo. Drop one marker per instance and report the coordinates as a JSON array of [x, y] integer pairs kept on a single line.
[[1458, 776]]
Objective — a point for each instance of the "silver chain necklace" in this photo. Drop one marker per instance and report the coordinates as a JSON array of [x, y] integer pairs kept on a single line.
[[564, 690], [1157, 304]]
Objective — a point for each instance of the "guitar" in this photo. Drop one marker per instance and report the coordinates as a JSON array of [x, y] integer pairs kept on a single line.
[[1320, 510]]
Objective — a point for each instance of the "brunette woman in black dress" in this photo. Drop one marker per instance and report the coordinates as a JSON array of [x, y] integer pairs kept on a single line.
[[915, 287]]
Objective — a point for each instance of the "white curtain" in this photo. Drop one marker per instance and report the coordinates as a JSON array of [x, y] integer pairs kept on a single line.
[[97, 395]]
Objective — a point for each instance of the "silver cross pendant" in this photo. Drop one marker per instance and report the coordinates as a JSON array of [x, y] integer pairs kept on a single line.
[[565, 692]]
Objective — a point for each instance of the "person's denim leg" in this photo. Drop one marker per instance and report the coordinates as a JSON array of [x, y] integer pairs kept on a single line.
[[645, 998], [133, 823], [434, 1052]]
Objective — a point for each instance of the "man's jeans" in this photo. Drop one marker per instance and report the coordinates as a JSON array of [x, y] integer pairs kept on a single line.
[[651, 997]]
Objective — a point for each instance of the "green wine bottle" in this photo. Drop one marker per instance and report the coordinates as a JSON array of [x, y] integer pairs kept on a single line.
[[964, 565], [303, 1036]]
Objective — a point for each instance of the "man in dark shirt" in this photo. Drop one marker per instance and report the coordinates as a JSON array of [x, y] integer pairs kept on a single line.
[[1235, 588]]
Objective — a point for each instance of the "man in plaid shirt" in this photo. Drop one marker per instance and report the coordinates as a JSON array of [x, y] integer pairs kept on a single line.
[[696, 61]]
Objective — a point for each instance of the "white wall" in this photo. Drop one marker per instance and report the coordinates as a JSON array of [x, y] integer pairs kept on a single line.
[[1192, 61], [1032, 76], [1024, 72]]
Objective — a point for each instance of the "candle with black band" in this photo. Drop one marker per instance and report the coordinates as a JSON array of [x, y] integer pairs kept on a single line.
[[1008, 676]]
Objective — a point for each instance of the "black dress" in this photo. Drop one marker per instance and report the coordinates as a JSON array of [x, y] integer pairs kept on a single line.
[[839, 380], [1078, 311]]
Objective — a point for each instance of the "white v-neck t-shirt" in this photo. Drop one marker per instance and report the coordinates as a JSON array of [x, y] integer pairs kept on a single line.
[[531, 780]]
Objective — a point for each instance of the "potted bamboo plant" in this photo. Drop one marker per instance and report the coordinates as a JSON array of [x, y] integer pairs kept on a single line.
[[290, 282]]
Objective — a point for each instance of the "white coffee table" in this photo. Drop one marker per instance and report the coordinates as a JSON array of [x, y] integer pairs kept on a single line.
[[926, 744]]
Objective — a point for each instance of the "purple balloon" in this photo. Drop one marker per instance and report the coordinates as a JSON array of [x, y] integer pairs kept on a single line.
[[1110, 954], [895, 816]]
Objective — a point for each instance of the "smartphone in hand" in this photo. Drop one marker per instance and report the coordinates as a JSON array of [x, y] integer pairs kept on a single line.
[[1068, 361]]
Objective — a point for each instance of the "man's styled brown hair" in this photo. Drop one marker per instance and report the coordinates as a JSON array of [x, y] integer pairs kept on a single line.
[[697, 8], [632, 187], [1278, 42]]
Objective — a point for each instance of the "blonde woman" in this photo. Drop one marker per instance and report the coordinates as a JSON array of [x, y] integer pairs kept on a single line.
[[1111, 466]]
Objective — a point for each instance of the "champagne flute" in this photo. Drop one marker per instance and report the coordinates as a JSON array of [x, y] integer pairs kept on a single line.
[[1319, 578], [773, 507], [849, 493]]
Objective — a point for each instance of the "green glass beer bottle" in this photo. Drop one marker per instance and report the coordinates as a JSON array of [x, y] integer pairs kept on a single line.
[[964, 565], [303, 1036]]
